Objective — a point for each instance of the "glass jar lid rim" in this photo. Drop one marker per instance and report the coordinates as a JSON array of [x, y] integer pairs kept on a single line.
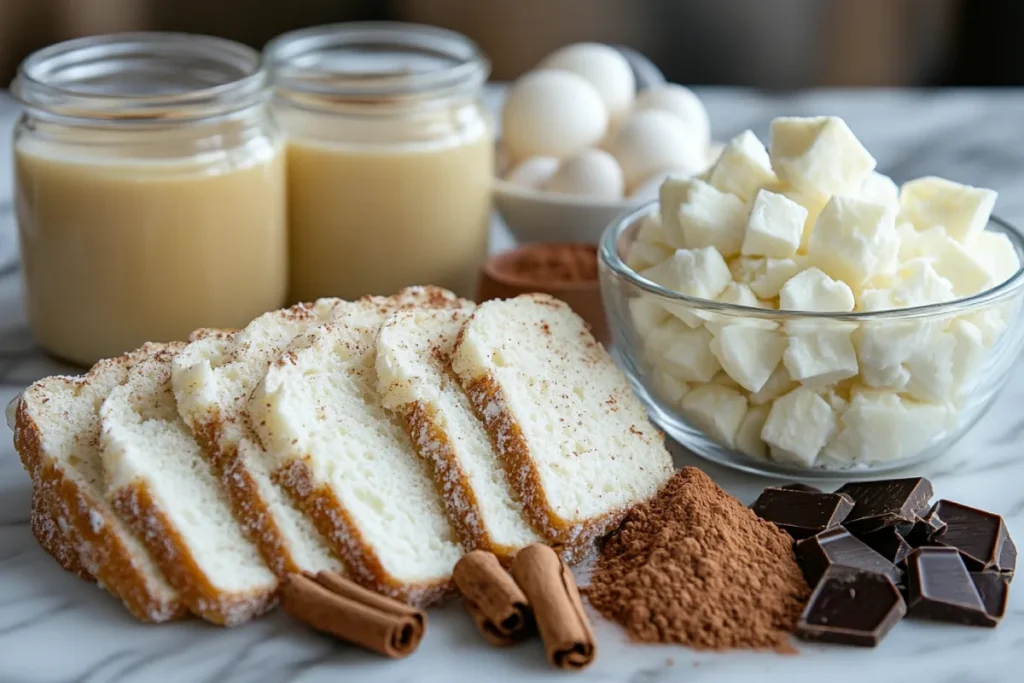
[[141, 75], [375, 60]]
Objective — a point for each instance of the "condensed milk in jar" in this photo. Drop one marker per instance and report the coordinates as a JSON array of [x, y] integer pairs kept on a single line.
[[390, 157], [150, 191]]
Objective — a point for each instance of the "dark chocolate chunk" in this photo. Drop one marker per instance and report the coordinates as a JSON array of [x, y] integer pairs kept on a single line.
[[994, 589], [851, 607], [939, 587], [800, 513], [926, 528], [980, 536], [888, 543], [1008, 557], [885, 503], [837, 547], [797, 486]]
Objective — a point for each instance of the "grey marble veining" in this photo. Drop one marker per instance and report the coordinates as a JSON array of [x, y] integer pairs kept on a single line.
[[54, 627]]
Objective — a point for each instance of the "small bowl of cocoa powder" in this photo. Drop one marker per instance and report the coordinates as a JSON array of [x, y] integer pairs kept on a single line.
[[565, 270]]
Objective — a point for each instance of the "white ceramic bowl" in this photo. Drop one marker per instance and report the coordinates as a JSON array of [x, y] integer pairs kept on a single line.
[[538, 216]]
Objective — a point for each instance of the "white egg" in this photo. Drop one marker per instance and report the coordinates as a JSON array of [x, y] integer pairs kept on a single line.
[[605, 68], [682, 102], [591, 173], [651, 141], [552, 113], [533, 172], [648, 189]]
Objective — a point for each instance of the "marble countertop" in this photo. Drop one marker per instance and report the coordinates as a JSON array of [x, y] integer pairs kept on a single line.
[[54, 627]]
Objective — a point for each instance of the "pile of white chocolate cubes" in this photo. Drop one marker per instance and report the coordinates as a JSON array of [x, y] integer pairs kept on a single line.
[[576, 125], [809, 225]]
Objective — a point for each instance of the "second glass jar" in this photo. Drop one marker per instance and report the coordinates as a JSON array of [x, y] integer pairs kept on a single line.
[[390, 157]]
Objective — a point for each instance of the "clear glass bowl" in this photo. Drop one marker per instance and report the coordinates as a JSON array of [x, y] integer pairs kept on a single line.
[[995, 312]]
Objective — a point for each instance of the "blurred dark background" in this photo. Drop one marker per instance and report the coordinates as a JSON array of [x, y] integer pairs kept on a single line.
[[760, 43]]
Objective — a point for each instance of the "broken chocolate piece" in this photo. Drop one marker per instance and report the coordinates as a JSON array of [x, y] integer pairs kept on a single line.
[[837, 547], [797, 486], [1008, 558], [926, 528], [851, 607], [888, 543], [980, 536], [939, 587], [885, 503], [994, 588], [801, 513]]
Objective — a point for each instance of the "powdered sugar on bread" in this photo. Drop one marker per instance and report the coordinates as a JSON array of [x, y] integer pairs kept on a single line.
[[414, 381], [576, 442], [159, 481]]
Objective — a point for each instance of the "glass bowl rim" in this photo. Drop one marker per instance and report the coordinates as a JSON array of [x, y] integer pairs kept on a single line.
[[608, 256]]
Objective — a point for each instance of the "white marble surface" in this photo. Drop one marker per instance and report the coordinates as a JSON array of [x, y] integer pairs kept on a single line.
[[54, 627]]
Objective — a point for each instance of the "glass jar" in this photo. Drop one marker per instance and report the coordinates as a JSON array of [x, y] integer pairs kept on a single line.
[[390, 157], [150, 191]]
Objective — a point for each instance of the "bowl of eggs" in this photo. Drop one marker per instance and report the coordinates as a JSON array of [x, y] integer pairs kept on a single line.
[[581, 144]]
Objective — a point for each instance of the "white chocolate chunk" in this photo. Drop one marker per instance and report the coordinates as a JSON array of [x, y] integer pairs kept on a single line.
[[814, 203], [996, 254], [647, 313], [880, 189], [819, 154], [822, 357], [876, 429], [963, 210], [748, 436], [743, 167], [748, 354], [740, 295], [854, 240], [778, 383], [883, 346], [652, 231], [967, 275], [694, 272], [813, 290], [776, 272], [916, 243], [716, 410], [643, 255], [668, 388], [918, 284], [991, 320], [689, 358], [931, 369], [799, 425], [775, 226], [968, 355], [706, 217], [662, 335]]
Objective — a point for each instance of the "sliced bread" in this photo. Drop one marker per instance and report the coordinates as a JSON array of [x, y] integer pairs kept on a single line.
[[55, 533], [575, 441], [350, 462], [415, 383], [56, 432], [160, 483], [212, 378]]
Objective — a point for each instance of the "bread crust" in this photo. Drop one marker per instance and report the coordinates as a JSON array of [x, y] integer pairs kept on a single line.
[[489, 405], [105, 556], [331, 518], [55, 534], [135, 504]]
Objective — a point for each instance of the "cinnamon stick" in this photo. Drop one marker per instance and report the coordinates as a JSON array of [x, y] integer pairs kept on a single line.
[[551, 590], [494, 594], [486, 626], [331, 603]]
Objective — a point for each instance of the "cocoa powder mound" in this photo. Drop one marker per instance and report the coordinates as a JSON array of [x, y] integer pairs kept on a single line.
[[695, 566]]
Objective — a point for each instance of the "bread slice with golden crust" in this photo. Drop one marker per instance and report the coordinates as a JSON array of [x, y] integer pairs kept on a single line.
[[56, 434], [414, 381], [575, 441], [56, 535], [349, 462], [213, 378], [161, 484]]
